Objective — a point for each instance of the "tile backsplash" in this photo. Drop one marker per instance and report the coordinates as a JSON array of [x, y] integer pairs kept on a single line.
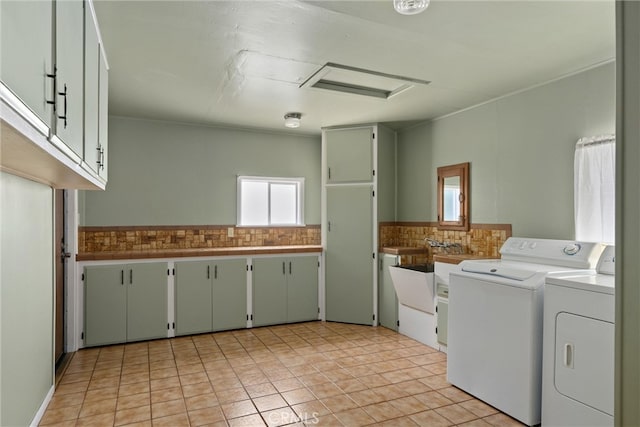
[[481, 239], [121, 238]]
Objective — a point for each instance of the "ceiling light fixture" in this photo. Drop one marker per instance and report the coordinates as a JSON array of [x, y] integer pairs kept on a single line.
[[292, 120], [410, 7]]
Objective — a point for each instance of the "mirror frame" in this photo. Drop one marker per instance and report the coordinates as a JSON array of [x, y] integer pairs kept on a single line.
[[461, 170]]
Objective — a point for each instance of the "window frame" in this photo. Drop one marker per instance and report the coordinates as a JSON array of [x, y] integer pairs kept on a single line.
[[297, 181]]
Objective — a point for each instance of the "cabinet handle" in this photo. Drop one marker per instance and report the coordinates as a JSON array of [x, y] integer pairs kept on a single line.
[[208, 272], [215, 272], [54, 91], [289, 267], [328, 225], [122, 277], [329, 173], [64, 116], [283, 268], [131, 277]]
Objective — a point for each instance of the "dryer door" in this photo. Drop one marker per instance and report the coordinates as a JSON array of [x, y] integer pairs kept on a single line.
[[584, 360]]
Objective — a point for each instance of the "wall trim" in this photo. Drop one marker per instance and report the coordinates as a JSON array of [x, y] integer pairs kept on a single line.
[[38, 417]]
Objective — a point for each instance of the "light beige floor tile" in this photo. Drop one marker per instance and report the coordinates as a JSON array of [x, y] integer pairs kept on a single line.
[[479, 408], [101, 420], [205, 416], [166, 394], [98, 407], [258, 390], [502, 420], [300, 395], [166, 408], [430, 418], [133, 401], [310, 410], [354, 417], [279, 417], [177, 420], [232, 395], [254, 420], [128, 416], [267, 403], [339, 403], [238, 409], [57, 415], [135, 388], [383, 411], [455, 413], [201, 401]]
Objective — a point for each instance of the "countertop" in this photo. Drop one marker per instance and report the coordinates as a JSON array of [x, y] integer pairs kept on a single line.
[[403, 250], [458, 258], [197, 252]]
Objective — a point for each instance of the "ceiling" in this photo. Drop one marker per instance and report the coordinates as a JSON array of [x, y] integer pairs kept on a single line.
[[242, 63]]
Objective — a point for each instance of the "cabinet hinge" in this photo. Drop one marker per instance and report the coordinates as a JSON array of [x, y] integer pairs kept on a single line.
[[436, 308], [168, 326], [318, 310], [247, 317], [82, 336], [436, 329], [373, 193], [318, 264], [374, 317], [83, 277], [174, 271], [397, 323], [373, 135], [174, 325], [374, 255], [168, 272], [373, 172]]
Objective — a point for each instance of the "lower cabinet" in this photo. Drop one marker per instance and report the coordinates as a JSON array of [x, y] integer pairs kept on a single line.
[[210, 295], [387, 298], [125, 302], [285, 290]]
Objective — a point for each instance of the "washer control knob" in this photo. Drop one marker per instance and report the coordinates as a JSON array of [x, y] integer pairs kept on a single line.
[[571, 249]]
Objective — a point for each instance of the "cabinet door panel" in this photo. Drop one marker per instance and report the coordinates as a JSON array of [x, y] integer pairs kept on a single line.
[[91, 67], [443, 317], [70, 80], [349, 155], [349, 256], [105, 296], [193, 297], [269, 291], [230, 294], [103, 117], [146, 301], [302, 289], [25, 52], [387, 298]]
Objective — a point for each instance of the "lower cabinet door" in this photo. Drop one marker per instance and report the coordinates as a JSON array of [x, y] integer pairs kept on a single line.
[[105, 296], [387, 299], [269, 291], [146, 301], [193, 297], [302, 288], [229, 294]]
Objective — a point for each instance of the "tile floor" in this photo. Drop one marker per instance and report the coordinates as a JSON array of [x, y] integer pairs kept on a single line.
[[309, 374]]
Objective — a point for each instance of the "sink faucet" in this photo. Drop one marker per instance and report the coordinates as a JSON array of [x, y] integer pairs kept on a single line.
[[434, 243]]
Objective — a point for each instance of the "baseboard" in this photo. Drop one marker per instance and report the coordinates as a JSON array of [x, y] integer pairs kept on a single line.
[[38, 417]]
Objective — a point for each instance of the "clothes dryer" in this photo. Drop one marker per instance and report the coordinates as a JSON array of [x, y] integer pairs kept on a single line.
[[578, 357]]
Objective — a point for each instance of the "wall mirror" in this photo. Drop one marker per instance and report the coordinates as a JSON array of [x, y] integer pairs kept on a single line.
[[453, 197]]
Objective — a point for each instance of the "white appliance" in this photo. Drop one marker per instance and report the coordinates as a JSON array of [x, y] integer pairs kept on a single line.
[[496, 320], [578, 351]]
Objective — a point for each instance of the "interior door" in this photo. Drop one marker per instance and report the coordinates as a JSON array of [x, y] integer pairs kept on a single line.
[[60, 257], [349, 254]]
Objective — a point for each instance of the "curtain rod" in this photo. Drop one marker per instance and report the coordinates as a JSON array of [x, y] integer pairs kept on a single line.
[[594, 140]]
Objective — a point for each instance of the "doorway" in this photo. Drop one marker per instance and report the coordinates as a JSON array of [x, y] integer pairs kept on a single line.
[[61, 256]]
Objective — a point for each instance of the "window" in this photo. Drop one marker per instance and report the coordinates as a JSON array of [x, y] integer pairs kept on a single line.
[[264, 201]]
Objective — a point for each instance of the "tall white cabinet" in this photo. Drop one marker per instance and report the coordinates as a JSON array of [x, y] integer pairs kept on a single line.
[[358, 192]]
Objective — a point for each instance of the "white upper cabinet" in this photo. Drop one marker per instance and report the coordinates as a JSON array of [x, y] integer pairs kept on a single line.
[[91, 93], [69, 74], [349, 155], [26, 54]]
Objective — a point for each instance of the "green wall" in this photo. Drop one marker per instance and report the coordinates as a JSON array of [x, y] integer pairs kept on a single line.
[[521, 152], [164, 173], [26, 302]]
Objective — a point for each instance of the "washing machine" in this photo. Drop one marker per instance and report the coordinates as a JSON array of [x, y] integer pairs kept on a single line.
[[496, 320], [578, 355]]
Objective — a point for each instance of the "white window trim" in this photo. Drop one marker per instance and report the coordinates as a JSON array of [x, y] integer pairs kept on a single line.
[[299, 181]]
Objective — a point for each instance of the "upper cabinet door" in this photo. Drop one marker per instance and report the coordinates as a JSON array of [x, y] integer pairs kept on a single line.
[[349, 154], [70, 80], [103, 116], [26, 53], [91, 93]]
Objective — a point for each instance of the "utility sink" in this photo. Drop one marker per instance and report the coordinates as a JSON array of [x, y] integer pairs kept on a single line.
[[414, 285]]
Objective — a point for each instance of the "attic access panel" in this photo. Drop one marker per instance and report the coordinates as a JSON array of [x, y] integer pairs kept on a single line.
[[359, 81]]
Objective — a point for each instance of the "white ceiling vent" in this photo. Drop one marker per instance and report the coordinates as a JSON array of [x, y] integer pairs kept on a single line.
[[346, 79]]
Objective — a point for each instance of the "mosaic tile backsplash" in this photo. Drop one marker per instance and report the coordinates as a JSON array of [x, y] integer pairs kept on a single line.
[[108, 239], [481, 239]]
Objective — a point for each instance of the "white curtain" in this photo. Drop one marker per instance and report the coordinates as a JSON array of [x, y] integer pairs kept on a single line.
[[594, 188]]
